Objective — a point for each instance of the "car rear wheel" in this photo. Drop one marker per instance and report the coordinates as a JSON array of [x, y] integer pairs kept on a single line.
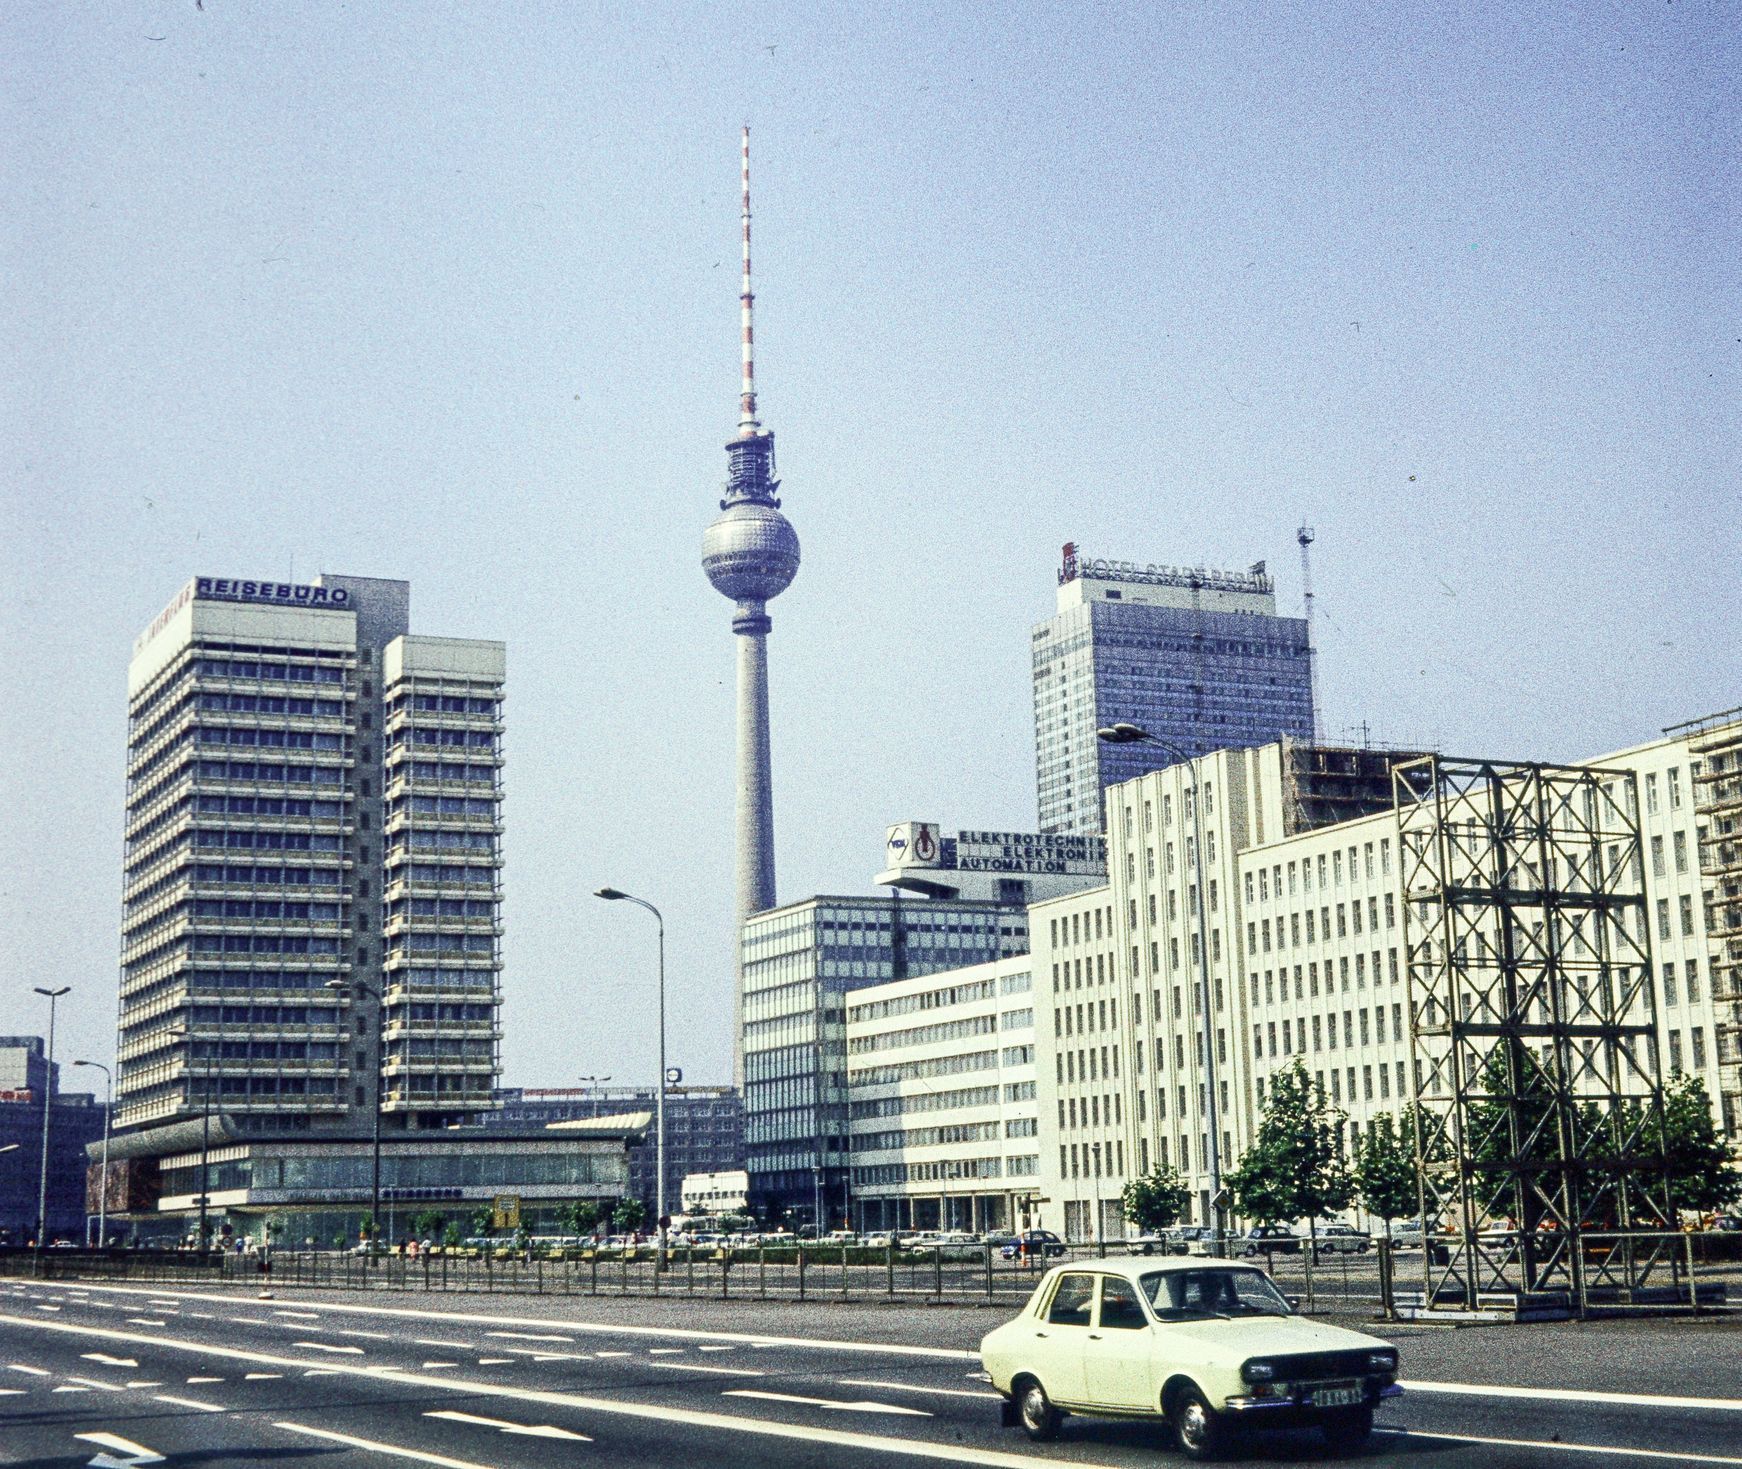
[[1347, 1430], [1040, 1420], [1200, 1433]]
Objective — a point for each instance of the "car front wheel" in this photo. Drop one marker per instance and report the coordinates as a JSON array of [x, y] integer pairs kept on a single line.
[[1040, 1420], [1347, 1430], [1200, 1433]]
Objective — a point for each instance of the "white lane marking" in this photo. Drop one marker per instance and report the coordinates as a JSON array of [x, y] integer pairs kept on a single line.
[[452, 1346], [56, 1308], [205, 1379], [33, 1371], [142, 1321], [259, 1376], [495, 1361], [318, 1346], [1679, 1457], [72, 1389], [380, 1448], [542, 1430], [709, 1347], [609, 1328], [610, 1354], [163, 1397], [107, 1360], [944, 1392], [836, 1403], [372, 1335], [136, 1453], [663, 1351], [927, 1449], [567, 1341], [12, 1392], [202, 1315], [438, 1366], [1575, 1395], [93, 1382], [165, 1305], [143, 1383], [712, 1371]]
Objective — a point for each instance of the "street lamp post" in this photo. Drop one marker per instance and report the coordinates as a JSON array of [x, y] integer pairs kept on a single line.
[[1131, 734], [205, 1135], [103, 1167], [47, 1108], [380, 1086], [613, 895]]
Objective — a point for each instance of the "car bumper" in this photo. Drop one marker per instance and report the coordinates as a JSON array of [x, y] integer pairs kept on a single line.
[[1298, 1405]]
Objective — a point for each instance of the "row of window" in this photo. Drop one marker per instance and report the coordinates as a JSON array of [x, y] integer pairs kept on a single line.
[[264, 771], [273, 670], [270, 704]]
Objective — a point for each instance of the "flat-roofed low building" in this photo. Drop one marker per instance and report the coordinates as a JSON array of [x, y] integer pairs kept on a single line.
[[941, 1096], [725, 1192]]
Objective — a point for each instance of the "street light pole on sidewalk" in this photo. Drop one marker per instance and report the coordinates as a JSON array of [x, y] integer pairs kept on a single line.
[[103, 1167], [47, 1108], [614, 895], [1131, 734]]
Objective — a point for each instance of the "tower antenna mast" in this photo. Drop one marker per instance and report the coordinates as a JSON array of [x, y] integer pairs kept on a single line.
[[747, 424], [1306, 536]]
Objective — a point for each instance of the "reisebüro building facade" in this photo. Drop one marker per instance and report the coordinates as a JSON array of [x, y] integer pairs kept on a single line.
[[1195, 657], [312, 873]]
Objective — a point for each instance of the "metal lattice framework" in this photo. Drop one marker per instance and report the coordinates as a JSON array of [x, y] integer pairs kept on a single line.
[[1538, 1098]]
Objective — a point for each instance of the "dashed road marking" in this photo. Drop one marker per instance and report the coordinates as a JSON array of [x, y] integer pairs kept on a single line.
[[947, 1392], [495, 1361], [136, 1453], [452, 1346], [106, 1360], [259, 1376], [438, 1366], [1574, 1395], [205, 1379], [835, 1403], [142, 1321], [318, 1346], [530, 1336], [163, 1397], [33, 1371], [541, 1430], [1679, 1457], [380, 1448]]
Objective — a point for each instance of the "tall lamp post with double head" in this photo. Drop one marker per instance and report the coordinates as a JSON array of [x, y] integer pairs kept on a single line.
[[380, 1086], [1131, 734], [205, 1132], [53, 997], [613, 895], [103, 1167]]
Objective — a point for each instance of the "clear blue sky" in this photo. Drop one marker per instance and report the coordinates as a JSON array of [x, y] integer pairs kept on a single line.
[[448, 293]]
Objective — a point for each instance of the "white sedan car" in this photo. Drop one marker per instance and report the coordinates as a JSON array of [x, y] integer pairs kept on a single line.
[[1201, 1344]]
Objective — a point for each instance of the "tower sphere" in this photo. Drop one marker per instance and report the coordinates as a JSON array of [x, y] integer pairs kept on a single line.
[[750, 552]]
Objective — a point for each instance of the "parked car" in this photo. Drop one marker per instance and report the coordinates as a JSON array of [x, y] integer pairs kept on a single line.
[[1033, 1244], [1341, 1239], [1267, 1239], [1203, 1346], [1194, 1239], [1407, 1234]]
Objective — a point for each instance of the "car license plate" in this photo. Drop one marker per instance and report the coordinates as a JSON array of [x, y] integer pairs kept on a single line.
[[1336, 1397]]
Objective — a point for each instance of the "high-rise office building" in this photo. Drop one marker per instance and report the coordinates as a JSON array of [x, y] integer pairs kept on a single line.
[[750, 554], [1197, 658], [312, 885], [28, 1083]]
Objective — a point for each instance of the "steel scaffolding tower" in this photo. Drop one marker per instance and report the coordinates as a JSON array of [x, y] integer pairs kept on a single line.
[[1538, 1097]]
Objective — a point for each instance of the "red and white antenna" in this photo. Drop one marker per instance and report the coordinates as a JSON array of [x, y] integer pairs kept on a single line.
[[747, 424]]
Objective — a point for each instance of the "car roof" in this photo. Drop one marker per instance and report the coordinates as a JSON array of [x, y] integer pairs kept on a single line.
[[1131, 1266]]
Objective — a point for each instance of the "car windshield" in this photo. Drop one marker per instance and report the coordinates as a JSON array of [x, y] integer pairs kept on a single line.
[[1192, 1295]]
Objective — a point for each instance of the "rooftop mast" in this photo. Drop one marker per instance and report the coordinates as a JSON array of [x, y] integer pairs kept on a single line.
[[1306, 536], [747, 424]]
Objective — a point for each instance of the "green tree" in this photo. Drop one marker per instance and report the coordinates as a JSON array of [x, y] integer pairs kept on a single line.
[[581, 1217], [483, 1223], [1295, 1166], [427, 1223], [631, 1214], [451, 1236], [1702, 1176], [1157, 1200], [1385, 1175]]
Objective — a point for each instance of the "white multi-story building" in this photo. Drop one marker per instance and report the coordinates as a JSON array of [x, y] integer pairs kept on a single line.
[[941, 1095], [1303, 899], [313, 865]]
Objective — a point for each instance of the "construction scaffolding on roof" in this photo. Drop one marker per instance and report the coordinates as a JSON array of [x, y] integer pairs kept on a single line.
[[1538, 1094]]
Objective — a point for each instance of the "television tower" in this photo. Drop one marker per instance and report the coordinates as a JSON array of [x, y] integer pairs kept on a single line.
[[750, 554]]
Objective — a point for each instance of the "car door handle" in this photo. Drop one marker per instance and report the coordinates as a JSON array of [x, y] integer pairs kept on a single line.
[[1040, 1333], [1094, 1336]]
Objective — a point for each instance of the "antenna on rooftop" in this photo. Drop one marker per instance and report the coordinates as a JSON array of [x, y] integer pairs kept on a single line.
[[1306, 536]]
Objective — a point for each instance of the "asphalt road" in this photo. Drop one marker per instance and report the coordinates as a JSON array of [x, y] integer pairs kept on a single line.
[[117, 1376]]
